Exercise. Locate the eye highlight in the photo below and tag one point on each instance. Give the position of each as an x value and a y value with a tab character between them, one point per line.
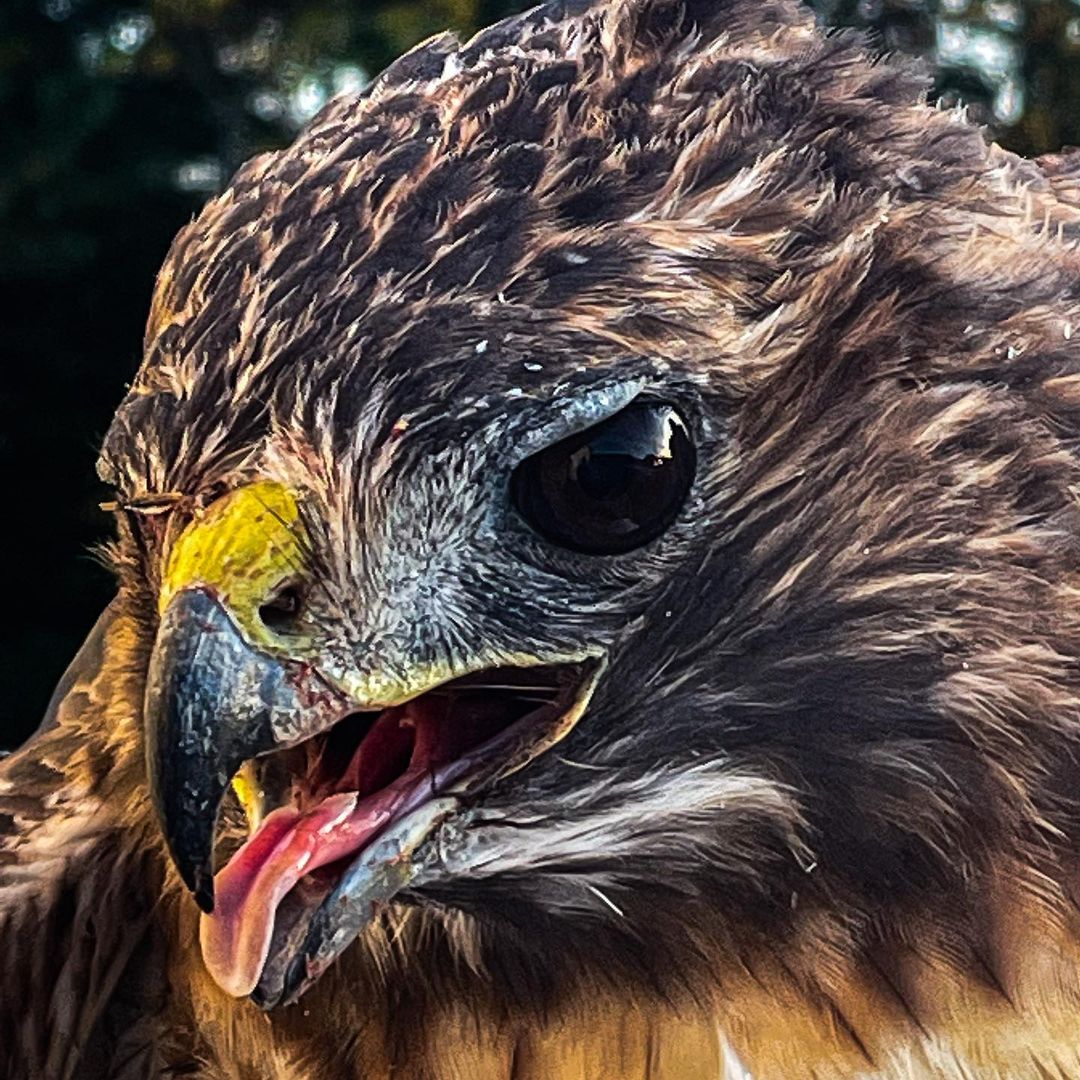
612	487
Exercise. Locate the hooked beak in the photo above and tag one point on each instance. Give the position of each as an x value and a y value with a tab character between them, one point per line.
213	702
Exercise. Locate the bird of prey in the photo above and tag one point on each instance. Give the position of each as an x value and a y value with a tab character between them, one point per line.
598	562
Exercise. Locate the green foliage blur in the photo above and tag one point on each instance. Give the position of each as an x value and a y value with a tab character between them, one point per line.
120	119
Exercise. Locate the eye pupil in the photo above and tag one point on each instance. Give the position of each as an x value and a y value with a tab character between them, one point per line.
610	488
603	476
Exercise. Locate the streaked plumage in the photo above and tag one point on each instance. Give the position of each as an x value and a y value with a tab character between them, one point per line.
820	816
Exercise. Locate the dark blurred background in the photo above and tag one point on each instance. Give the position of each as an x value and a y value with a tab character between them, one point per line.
117	120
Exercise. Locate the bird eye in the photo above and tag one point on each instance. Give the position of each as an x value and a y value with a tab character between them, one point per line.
612	487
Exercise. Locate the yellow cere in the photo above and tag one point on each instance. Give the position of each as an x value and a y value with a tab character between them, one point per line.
242	547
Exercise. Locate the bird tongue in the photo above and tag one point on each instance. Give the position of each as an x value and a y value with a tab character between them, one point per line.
289	844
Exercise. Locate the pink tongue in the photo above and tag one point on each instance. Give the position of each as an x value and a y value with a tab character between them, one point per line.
289	844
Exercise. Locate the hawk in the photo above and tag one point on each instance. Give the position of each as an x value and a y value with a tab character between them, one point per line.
598	591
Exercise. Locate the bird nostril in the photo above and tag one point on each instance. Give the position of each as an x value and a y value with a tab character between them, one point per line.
281	611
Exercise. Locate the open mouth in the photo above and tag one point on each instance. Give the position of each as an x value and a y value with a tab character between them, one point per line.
334	821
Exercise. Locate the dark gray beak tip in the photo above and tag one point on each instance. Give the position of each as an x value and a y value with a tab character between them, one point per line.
202	889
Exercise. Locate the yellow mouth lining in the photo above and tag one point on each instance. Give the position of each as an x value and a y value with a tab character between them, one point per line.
247	787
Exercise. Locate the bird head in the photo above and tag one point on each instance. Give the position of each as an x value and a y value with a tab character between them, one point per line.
588	491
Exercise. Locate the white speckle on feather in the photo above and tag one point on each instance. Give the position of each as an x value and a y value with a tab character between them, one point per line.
606	899
533	367
582	765
481	347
